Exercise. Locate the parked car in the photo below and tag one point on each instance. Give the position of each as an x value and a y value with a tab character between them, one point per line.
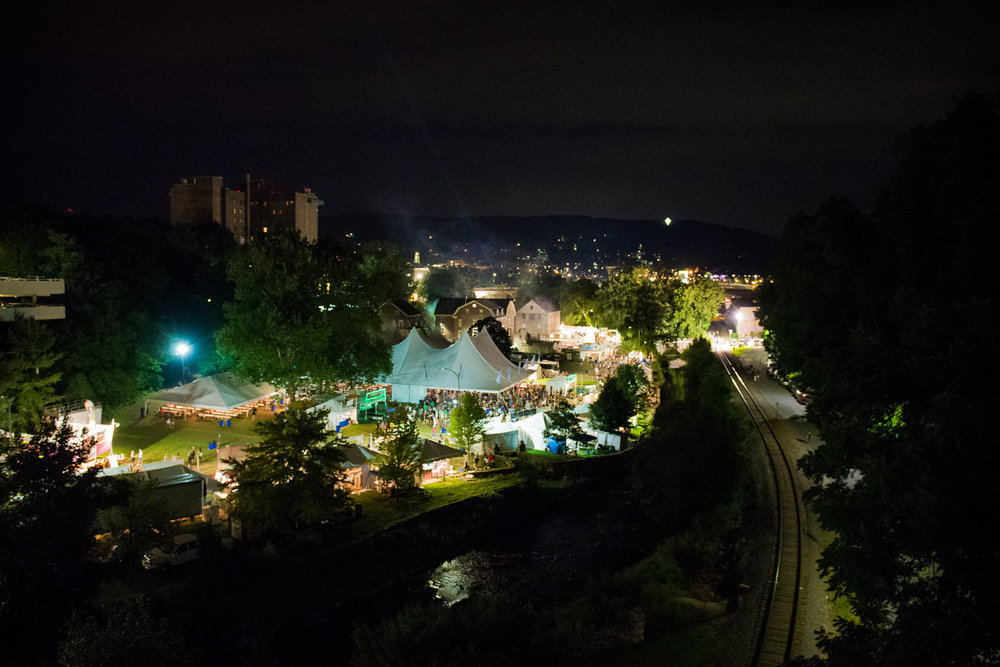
803	398
182	549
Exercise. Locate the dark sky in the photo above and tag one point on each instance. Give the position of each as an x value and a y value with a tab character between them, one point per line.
737	113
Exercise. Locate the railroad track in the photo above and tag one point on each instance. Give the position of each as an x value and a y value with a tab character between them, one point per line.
777	621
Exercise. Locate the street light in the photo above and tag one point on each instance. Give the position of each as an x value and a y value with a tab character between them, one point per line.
181	349
457	374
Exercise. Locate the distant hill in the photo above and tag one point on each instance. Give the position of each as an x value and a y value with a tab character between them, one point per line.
493	240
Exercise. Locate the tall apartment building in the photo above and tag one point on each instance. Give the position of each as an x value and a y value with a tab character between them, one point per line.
271	210
245	213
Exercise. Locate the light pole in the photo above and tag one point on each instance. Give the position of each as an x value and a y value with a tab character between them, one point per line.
458	376
181	349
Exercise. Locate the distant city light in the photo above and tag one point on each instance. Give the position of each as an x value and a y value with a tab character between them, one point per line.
667	221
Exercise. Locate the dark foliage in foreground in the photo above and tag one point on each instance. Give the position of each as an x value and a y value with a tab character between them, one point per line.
880	316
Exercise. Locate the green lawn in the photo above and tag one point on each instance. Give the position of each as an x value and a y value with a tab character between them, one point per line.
157	441
380	511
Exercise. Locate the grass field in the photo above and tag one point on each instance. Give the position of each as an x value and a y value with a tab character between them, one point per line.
380	511
159	442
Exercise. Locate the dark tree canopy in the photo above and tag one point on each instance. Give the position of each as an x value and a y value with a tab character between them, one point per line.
638	307
878	315
497	331
563	424
47	511
614	407
401	450
132	286
302	311
293	477
27	375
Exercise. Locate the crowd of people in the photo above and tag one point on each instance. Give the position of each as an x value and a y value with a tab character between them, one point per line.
436	406
607	367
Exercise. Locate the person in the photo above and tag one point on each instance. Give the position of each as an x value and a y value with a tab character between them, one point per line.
191	456
140	457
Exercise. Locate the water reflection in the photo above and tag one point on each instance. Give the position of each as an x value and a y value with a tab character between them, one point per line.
452	580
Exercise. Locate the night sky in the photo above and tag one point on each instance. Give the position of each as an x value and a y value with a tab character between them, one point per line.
736	113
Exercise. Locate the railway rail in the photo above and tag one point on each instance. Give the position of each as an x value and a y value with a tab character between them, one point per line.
776	624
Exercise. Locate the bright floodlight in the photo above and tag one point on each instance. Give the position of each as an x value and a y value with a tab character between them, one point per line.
181	349
739	316
667	221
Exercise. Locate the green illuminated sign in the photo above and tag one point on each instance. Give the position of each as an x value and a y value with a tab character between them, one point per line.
371	398
571	378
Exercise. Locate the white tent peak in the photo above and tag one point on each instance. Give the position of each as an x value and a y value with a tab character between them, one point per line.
469	364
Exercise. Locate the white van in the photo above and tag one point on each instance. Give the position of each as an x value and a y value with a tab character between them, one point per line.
182	549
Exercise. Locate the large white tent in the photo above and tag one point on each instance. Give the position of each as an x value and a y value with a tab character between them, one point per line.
470	364
223	392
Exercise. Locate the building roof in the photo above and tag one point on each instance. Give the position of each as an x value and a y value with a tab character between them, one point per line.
356	455
164	473
436	451
543	304
449	305
406	308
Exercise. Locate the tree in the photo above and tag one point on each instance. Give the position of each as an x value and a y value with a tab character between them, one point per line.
821	271
448	283
497	331
27	373
401	450
693	305
577	302
613	408
901	392
638	306
301	311
293	477
47	510
563	424
696	457
468	424
384	271
135	525
125	628
635	384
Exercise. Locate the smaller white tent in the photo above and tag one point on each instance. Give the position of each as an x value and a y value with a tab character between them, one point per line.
340	409
508	435
559	383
